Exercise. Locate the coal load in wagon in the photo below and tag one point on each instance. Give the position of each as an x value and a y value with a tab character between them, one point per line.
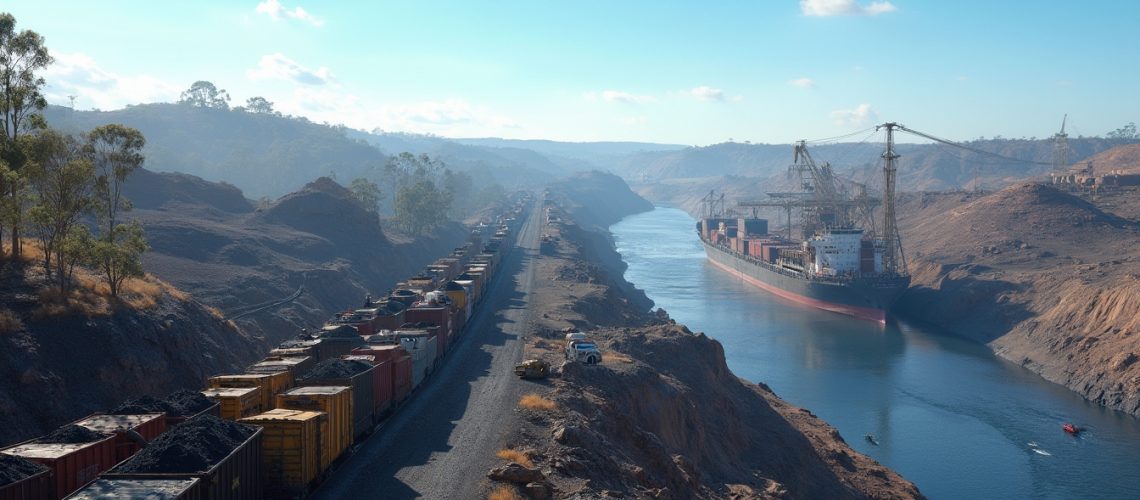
72	434
183	403
195	446
14	469
336	369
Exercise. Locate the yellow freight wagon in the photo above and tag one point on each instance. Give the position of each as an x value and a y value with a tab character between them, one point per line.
290	445
236	402
336	401
271	384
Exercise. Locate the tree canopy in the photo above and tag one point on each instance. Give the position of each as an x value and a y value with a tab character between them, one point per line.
204	94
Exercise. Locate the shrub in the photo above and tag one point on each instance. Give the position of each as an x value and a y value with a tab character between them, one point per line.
533	401
10	322
503	493
515	456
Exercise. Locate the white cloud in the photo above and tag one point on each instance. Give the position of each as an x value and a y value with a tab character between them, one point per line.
803	83
280	67
861	115
77	74
844	8
618	96
636	120
275	10
707	93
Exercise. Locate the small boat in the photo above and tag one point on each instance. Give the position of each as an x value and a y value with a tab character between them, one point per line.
1071	429
871	439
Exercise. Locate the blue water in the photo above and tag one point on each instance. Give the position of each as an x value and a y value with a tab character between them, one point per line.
948	414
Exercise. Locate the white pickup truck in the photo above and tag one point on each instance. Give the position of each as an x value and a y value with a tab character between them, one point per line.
580	349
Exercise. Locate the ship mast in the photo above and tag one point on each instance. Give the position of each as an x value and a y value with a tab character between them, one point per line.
893	259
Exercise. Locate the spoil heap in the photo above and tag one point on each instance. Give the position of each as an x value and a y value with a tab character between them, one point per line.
71	434
194	446
182	403
336	368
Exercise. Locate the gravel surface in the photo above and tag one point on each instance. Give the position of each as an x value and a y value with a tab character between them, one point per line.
13	469
443	442
194	446
72	434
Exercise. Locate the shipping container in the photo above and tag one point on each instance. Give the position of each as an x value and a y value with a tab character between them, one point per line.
336	403
147	426
401	377
437	315
756	227
291	450
296	365
381	385
236	403
362	393
148	489
73	465
237	475
37	484
422	347
271	384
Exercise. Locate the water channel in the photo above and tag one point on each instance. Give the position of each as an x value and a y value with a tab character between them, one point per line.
948	415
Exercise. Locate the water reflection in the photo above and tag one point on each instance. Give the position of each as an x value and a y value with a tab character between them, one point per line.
947	414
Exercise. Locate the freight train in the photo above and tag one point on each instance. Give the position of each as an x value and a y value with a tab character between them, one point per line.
280	428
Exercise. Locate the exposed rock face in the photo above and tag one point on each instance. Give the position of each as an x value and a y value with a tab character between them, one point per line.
1049	280
662	416
597	199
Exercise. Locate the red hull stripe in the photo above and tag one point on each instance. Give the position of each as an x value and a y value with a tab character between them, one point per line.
859	312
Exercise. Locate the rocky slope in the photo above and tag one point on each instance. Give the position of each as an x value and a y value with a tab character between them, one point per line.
662	416
596	198
59	364
211	242
1046	278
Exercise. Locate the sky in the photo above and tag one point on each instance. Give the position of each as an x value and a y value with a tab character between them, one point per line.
695	73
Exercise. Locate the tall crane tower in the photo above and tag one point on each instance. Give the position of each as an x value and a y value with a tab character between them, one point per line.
893	259
1061	149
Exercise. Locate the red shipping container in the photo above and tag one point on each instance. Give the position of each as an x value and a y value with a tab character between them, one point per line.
384	357
149	426
401	377
73	465
381	384
440	316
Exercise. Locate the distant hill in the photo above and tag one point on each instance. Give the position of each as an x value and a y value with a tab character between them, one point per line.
1125	158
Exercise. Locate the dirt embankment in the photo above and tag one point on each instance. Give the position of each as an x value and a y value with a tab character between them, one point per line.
662	416
1048	279
59	364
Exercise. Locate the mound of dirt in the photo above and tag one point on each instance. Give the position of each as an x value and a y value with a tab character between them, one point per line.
72	434
14	469
1125	158
182	403
327	209
193	446
331	369
167	190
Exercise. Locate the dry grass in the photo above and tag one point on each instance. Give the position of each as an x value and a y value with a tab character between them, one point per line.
515	456
534	401
612	357
10	322
504	492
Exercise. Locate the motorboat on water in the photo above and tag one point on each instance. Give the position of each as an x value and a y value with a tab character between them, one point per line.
1071	429
871	439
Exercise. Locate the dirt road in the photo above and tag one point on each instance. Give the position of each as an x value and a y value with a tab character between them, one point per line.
442	443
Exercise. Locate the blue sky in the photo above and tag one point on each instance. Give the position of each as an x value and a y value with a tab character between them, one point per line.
664	71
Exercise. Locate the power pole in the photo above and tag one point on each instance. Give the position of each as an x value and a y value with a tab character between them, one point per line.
1061	149
72	99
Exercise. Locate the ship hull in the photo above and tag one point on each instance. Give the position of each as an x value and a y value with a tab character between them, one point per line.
868	299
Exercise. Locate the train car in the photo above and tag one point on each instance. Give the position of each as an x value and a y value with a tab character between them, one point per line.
355	374
336	403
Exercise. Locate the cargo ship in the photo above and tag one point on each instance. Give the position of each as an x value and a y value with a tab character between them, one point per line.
837	265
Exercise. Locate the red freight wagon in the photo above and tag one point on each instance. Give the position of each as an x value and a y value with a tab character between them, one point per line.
73	465
401	377
381	384
37	485
148	426
435	315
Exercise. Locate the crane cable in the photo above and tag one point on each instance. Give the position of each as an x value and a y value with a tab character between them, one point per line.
967	148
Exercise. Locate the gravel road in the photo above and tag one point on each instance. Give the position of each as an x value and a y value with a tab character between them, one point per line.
443	442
